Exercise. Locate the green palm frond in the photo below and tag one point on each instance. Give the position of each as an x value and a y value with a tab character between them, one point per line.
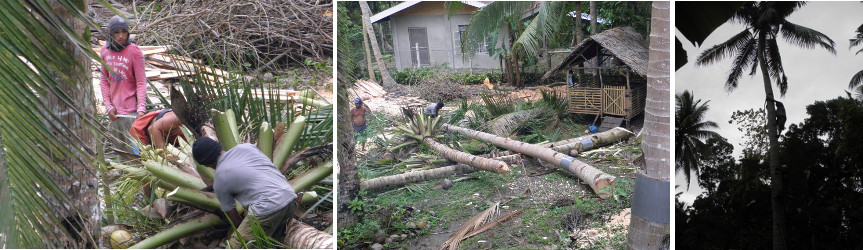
42	56
547	23
489	20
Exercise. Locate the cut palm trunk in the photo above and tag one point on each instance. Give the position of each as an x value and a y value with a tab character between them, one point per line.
302	236
594	178
595	140
424	175
481	163
598	140
413	177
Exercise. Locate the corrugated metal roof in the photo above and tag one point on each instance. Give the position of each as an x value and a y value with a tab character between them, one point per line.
402	6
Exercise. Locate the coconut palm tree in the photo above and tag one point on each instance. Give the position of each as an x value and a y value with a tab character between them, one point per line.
690	132
756	47
50	135
858	78
370	32
504	19
645	232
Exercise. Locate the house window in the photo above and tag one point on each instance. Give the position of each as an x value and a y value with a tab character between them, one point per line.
457	40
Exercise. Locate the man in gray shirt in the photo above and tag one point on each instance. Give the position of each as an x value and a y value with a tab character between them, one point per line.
433	109
246	175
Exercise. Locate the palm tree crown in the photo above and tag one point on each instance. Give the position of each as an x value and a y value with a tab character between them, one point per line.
765	22
690	133
857	40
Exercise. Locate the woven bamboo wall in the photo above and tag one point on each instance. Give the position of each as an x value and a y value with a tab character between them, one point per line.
585	100
610	100
637	100
614	101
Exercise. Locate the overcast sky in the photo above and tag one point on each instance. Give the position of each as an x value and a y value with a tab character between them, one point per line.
813	74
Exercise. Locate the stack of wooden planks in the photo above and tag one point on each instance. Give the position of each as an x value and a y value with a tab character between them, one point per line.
161	65
371	88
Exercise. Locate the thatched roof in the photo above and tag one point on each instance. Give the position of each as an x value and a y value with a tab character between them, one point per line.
623	42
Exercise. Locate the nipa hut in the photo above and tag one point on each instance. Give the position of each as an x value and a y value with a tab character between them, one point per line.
617	86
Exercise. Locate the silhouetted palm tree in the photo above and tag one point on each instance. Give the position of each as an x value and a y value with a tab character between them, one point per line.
754	47
691	130
858	78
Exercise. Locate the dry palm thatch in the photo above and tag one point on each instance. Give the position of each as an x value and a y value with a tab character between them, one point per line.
470	226
478	224
623	42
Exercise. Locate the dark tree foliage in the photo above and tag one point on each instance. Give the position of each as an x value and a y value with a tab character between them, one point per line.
822	161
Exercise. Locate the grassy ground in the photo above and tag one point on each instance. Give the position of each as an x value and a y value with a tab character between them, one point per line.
559	211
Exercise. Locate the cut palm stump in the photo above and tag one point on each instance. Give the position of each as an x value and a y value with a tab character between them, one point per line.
595	178
186	186
421	128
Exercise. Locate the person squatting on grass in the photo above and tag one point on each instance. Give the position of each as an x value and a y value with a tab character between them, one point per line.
124	85
433	109
246	175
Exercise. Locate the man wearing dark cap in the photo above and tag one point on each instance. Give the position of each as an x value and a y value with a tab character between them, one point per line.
358	115
246	175
123	81
433	109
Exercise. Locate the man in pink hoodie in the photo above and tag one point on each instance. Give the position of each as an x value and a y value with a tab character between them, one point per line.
123	81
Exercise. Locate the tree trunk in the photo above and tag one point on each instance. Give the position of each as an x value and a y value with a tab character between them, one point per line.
424	175
778	204
595	178
649	224
414	177
596	140
81	218
481	163
349	184
367	25
368	56
299	236
579	34
593	31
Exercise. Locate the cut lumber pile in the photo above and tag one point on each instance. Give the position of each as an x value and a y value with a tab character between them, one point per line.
161	66
371	88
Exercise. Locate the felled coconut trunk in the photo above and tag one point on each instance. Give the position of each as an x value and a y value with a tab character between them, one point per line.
594	178
424	175
481	163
